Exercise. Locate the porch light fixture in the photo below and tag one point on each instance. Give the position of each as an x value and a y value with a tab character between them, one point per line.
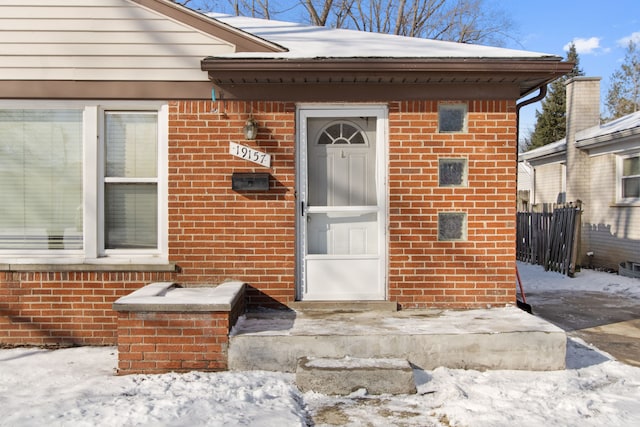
250	129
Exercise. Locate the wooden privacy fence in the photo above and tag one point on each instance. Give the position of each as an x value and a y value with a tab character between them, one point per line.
550	239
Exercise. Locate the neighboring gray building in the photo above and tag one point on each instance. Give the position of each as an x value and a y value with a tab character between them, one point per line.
598	165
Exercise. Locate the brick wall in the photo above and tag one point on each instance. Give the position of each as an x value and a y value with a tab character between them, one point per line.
64	308
583	112
423	271
216	233
158	342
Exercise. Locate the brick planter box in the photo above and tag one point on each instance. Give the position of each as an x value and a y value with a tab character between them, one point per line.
165	328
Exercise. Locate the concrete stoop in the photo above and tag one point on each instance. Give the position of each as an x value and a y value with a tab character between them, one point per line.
343	306
346	375
498	338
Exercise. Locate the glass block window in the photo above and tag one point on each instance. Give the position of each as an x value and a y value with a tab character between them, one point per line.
452	118
452	172
452	226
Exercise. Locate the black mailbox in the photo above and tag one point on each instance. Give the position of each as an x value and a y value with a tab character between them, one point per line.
249	181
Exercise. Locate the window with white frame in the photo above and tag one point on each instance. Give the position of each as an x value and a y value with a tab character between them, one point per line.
131	180
69	196
41	179
630	177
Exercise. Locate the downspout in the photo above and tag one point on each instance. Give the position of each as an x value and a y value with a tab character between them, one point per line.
538	97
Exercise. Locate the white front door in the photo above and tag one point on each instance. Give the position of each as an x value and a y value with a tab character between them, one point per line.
342	216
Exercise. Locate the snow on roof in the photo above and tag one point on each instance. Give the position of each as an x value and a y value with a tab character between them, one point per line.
545	150
624	126
305	42
605	133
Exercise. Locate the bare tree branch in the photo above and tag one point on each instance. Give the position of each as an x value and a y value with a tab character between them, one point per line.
465	21
318	19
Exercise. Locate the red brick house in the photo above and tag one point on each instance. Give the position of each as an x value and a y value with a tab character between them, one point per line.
383	169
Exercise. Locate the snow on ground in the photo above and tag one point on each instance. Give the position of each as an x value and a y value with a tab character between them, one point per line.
77	387
535	279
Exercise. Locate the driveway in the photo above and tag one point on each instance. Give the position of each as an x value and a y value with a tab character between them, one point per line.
611	322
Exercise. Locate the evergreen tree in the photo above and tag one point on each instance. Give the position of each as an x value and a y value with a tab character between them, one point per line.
551	122
623	96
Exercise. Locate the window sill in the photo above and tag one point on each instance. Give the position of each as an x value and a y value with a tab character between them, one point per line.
623	204
88	267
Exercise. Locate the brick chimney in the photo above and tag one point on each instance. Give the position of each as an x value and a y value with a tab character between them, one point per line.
583	112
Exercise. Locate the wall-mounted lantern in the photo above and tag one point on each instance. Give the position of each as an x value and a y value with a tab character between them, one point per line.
250	129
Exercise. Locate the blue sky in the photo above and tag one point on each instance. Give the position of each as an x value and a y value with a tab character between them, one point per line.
600	30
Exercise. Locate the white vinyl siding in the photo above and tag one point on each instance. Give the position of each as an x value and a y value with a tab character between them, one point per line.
99	40
612	228
549	183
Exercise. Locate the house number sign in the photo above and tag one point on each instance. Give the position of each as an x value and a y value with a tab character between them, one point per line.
250	154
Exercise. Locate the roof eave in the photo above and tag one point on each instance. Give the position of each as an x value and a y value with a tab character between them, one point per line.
545	153
528	73
608	139
549	158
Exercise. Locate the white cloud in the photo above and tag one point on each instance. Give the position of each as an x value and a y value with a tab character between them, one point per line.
585	46
624	42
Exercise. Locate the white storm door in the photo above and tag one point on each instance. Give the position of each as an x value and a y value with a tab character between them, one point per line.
342	205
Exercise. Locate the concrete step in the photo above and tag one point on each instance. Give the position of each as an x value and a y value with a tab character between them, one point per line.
344	376
500	338
344	306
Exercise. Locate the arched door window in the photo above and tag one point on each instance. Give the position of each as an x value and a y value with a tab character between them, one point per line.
342	133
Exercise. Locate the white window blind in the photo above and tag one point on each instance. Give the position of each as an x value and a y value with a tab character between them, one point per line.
41	179
131	180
